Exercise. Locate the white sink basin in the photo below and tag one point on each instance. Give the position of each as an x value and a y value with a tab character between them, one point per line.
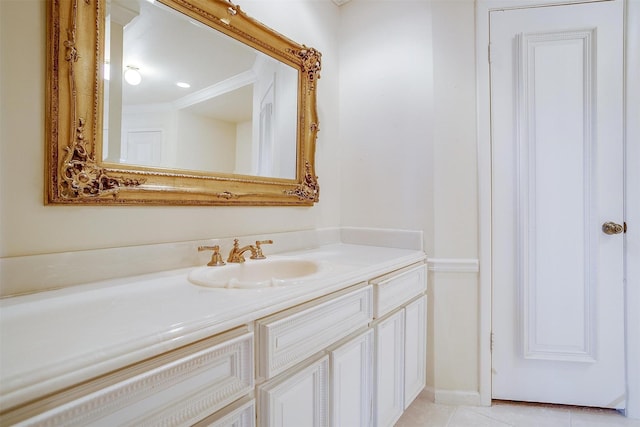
256	273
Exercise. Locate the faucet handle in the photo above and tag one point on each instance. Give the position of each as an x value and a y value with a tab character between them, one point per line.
216	258
258	253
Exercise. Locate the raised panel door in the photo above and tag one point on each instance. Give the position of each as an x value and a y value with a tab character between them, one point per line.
415	349
352	382
389	370
557	147
298	399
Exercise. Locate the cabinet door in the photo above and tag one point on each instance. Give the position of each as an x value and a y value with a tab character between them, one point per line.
296	400
415	350
352	382
389	361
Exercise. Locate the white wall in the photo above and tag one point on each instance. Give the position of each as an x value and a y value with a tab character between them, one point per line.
407	131
27	226
386	115
456	317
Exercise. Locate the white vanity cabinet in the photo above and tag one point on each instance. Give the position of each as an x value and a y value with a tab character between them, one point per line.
355	358
300	352
342	351
178	388
400	342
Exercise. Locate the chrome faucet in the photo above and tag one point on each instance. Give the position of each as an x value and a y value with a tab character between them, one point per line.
237	253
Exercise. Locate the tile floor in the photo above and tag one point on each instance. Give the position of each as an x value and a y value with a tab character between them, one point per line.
424	413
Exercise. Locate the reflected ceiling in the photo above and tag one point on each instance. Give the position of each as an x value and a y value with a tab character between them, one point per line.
154	43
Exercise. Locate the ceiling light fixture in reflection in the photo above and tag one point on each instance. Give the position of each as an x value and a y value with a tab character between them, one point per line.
183	85
132	75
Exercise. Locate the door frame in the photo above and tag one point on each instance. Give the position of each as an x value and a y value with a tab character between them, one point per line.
631	199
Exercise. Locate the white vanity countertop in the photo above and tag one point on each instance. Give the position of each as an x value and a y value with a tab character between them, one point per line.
51	340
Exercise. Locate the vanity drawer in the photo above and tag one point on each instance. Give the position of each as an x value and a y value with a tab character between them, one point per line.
177	388
289	337
392	290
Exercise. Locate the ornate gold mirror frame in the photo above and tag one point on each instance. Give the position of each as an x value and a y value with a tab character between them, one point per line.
74	175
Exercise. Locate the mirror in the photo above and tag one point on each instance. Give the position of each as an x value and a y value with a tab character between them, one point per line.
210	107
177	102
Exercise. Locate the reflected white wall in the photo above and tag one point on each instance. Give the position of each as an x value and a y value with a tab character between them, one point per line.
205	143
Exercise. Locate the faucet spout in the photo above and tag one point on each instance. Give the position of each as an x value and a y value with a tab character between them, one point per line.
237	253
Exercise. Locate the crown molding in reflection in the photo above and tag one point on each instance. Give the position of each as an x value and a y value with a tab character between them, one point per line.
225	86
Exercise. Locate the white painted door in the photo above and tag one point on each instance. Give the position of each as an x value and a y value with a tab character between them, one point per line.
557	156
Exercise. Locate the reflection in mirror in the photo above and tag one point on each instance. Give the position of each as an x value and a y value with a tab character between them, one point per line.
192	98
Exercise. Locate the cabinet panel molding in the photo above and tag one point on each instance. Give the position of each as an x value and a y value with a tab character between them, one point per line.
240	414
352	382
415	349
299	399
288	338
180	392
389	360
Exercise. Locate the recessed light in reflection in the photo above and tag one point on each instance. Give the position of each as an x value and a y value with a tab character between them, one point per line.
183	85
132	76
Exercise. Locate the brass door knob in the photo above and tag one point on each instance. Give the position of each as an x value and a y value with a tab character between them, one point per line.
612	228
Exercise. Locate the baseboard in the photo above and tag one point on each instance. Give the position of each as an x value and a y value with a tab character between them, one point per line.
430	393
457	397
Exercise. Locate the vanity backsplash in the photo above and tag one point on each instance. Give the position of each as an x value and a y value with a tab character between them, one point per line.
36	273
